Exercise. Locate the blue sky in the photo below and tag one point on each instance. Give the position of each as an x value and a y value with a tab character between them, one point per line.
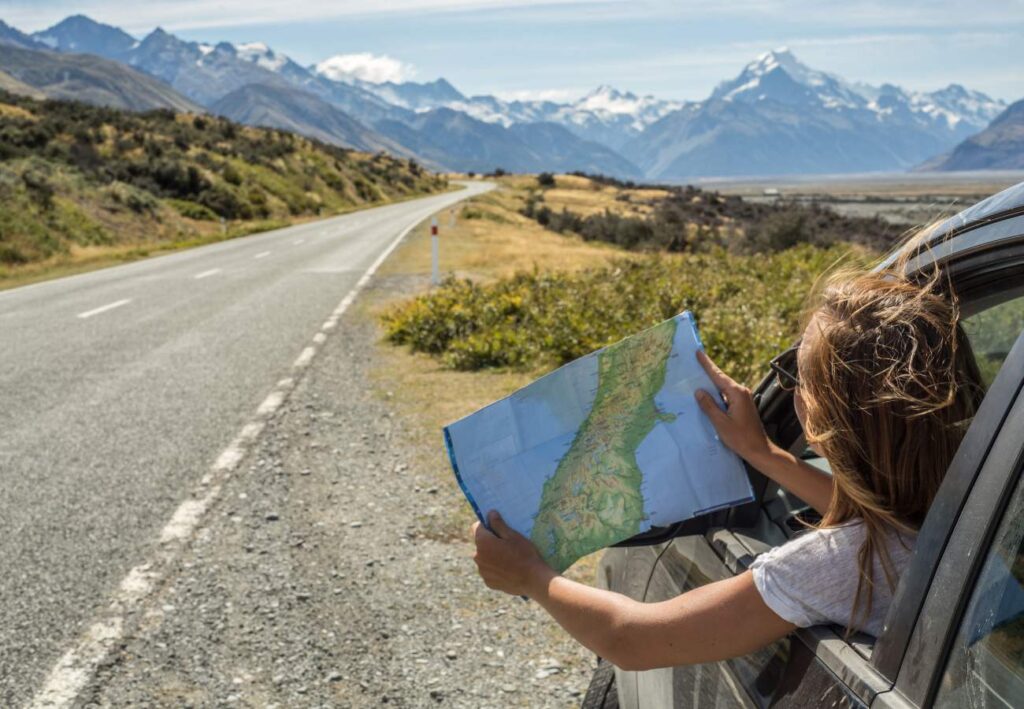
670	48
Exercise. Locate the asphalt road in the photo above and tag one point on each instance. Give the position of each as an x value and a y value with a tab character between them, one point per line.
119	388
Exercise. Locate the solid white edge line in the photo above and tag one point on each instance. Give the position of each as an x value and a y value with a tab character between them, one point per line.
78	665
104	308
204	274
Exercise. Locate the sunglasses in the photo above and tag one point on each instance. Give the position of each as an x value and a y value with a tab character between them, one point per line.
784	367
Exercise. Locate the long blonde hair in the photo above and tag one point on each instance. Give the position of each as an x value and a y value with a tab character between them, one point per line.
889	385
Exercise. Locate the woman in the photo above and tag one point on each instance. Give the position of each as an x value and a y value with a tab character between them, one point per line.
885	387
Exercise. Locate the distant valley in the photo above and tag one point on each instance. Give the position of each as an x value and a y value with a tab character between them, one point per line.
777	116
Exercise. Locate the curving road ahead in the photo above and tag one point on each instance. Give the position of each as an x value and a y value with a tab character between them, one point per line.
118	389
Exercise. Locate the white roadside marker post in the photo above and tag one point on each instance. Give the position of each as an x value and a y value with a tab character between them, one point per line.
435	271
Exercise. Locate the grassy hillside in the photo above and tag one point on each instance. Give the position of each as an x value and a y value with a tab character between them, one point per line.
79	182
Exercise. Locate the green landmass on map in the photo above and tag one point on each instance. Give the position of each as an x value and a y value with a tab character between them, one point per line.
593	499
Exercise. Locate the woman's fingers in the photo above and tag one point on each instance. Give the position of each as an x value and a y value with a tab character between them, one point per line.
707	404
721	379
499	526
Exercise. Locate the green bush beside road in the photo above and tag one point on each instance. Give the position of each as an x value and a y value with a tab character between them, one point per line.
748	308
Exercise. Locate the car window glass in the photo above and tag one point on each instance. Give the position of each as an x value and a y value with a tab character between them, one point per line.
986	667
992	333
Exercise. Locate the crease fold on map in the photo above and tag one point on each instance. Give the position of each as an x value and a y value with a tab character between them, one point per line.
601	449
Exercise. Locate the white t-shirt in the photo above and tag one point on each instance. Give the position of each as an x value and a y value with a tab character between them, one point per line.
812	579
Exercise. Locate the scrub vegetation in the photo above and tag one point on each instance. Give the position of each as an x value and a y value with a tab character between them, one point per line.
747	288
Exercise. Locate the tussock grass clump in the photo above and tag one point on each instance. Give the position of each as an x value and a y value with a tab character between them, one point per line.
748	307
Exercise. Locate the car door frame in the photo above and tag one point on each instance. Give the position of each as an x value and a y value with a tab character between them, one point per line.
959	557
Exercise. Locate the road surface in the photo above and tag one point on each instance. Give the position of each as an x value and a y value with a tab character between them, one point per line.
120	387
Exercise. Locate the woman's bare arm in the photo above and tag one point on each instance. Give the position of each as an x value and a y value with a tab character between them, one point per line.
740	428
714	622
810	484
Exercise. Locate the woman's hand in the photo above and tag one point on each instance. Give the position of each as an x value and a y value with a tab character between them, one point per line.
739	426
506	560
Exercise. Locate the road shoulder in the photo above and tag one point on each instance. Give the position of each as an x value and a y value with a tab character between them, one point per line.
316	578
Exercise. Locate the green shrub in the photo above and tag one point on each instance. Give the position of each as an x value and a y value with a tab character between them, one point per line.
11	255
192	210
133	198
231	175
748	307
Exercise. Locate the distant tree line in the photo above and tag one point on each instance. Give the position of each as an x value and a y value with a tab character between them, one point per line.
692	219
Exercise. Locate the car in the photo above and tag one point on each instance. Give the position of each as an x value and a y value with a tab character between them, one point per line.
954	634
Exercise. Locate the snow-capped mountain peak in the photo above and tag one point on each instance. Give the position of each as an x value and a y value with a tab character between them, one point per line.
610	99
606	104
778	75
783	58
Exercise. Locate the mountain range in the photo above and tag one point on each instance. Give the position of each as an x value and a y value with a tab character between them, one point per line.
777	116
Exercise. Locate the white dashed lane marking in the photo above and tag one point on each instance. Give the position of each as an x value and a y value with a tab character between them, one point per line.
261	254
104	308
204	274
299	241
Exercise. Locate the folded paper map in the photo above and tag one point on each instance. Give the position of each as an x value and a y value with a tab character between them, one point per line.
601	449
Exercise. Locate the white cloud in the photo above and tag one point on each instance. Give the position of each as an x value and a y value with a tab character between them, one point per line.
375	68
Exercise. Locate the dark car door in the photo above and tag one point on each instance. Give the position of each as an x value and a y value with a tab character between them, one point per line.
817	666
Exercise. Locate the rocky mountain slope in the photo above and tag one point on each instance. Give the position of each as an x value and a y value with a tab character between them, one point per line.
999	147
88	78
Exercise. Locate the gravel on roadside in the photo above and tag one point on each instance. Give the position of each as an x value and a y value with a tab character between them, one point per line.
314	582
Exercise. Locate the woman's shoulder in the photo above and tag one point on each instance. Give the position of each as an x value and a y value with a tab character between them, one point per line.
813	578
832	539
818	544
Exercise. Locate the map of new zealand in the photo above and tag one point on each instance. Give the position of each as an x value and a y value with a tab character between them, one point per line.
601	449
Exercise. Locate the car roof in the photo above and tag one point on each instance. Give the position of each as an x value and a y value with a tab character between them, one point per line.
994	220
998	205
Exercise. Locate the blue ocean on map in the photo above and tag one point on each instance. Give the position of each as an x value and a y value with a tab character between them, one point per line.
674	485
529	432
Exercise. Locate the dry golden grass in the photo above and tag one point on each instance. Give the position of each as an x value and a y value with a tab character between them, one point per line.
10	111
82	259
584	196
491	239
